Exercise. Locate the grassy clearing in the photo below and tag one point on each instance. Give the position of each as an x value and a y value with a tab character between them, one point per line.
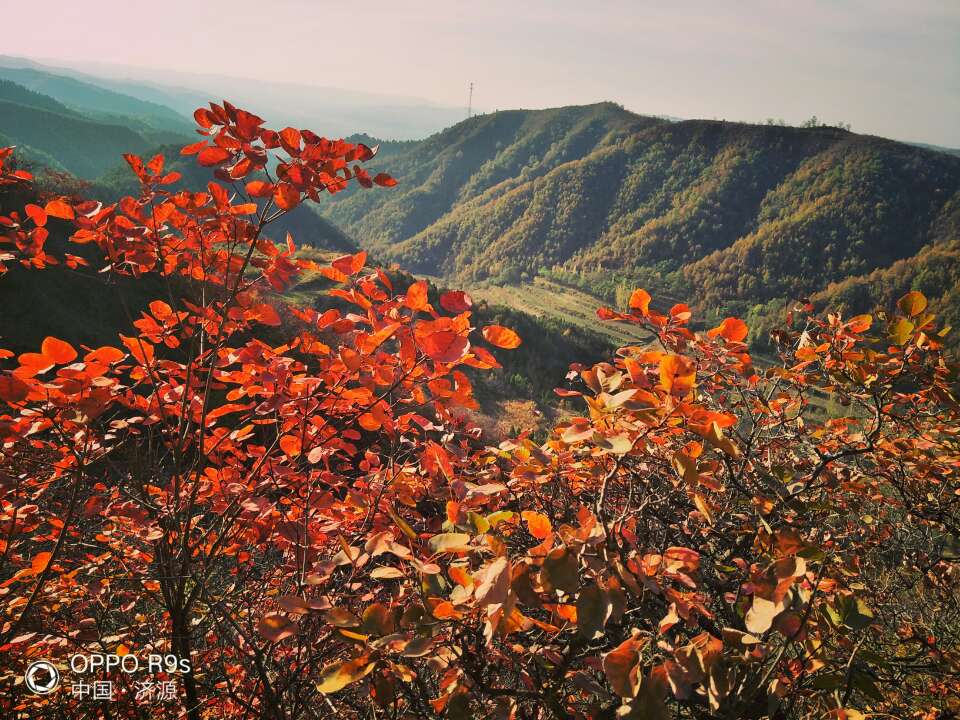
547	299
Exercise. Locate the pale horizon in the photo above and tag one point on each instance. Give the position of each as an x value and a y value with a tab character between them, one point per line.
882	67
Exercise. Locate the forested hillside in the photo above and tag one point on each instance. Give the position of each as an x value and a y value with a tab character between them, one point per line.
67	125
83	147
740	217
99	102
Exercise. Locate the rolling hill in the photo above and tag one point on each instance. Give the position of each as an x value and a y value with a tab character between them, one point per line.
739	218
81	146
100	103
84	132
330	111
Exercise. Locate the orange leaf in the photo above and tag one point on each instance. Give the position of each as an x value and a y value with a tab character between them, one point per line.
501	337
456	301
913	303
40	562
640	301
59	209
384	180
445	611
37	214
444	345
622	667
677	374
276	627
141	350
259	189
731	329
244	209
417	296
59	351
286	196
537	524
290	444
350	264
105	355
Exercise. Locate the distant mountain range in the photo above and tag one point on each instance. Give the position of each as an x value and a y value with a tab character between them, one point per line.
70	125
333	112
739	218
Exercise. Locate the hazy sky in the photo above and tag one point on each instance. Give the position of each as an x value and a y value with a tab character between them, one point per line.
890	67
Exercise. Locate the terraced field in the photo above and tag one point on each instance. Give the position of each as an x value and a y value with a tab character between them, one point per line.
543	298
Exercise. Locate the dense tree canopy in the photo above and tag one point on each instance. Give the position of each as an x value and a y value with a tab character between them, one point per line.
731	217
293	501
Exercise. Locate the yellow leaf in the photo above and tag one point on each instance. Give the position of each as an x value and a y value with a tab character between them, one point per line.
449	542
900	331
912	304
338	675
761	614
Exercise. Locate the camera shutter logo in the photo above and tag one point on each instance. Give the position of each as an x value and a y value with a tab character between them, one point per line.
42	677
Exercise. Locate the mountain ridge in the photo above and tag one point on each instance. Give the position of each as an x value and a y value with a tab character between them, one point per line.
733	214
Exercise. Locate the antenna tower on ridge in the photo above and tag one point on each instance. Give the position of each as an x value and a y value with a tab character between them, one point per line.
470	103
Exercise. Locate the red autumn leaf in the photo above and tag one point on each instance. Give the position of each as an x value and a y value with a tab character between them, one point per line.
259	188
204	117
333	274
213	155
141	350
240	169
290	444
276	627
444	345
351	264
501	336
59	209
456	301
248	125
290	140
37	214
155	165
13	389
265	314
680	313
384	180
286	196
193	148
